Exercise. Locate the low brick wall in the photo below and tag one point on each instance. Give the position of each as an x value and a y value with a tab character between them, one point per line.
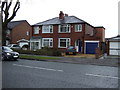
99	53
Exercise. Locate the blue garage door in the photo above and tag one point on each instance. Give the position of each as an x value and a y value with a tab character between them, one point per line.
90	47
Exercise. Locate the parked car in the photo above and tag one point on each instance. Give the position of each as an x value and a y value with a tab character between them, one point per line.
9	54
71	50
14	46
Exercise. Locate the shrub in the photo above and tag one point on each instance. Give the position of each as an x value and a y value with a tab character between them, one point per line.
24	51
49	51
44	51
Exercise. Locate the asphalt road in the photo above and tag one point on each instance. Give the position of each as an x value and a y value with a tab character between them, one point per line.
41	74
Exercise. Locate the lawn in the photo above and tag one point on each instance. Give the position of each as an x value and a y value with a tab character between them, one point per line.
37	57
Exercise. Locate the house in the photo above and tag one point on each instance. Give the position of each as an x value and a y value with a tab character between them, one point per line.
113	45
19	32
63	31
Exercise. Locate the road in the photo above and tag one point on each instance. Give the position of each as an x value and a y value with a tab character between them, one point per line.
41	74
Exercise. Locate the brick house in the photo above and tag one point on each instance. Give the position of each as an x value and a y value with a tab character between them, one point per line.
63	31
19	32
113	45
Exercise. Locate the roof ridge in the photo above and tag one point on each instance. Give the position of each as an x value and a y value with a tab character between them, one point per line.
56	20
46	20
19	21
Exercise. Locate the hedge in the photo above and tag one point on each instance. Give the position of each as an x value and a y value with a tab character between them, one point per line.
44	51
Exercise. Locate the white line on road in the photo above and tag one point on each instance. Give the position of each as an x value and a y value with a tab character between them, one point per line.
38	67
95	75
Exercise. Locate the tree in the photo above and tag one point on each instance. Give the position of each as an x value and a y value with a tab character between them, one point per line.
6	18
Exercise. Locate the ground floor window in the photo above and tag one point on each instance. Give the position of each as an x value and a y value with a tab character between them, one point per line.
64	42
47	42
34	45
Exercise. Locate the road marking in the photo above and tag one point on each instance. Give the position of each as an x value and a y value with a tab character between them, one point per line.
38	67
98	75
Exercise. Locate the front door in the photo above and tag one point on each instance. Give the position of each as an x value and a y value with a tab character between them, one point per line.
78	45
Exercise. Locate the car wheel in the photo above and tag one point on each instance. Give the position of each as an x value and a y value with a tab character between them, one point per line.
15	59
66	53
3	57
74	53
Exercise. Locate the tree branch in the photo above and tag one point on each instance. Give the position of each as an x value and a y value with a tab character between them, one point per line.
17	6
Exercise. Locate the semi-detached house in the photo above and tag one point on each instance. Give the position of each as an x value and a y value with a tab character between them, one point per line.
63	31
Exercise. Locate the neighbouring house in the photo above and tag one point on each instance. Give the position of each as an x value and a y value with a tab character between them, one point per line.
113	45
19	32
63	31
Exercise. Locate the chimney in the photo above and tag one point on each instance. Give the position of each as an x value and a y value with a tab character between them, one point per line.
66	14
61	15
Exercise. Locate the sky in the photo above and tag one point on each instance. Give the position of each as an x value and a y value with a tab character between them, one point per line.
95	12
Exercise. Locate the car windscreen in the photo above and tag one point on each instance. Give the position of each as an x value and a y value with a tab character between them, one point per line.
16	46
9	45
71	47
7	49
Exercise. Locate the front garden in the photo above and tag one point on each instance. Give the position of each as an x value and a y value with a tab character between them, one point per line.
44	51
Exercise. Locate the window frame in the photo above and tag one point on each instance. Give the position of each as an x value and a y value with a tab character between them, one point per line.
68	25
47	26
49	42
66	42
80	29
36	29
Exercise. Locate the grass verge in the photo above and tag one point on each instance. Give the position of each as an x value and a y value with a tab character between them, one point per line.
37	57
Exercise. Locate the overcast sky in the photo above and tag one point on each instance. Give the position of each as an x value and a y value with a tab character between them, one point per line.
95	12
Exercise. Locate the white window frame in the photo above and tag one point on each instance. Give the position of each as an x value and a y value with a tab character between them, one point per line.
78	26
49	27
27	33
66	42
49	41
35	41
36	29
8	32
68	25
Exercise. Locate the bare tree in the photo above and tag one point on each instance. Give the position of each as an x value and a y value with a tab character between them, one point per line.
6	18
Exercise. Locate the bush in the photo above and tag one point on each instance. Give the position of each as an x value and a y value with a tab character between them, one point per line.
24	51
49	51
44	51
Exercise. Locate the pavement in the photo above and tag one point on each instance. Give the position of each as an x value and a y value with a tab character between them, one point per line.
113	62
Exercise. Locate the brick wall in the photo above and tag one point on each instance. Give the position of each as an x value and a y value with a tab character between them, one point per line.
100	32
20	32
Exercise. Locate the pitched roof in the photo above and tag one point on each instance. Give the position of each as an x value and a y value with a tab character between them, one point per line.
13	24
116	38
56	20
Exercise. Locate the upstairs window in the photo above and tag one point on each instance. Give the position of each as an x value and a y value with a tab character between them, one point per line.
64	28
36	30
47	29
78	28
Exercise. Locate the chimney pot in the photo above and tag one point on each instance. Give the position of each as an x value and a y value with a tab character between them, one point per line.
66	14
61	15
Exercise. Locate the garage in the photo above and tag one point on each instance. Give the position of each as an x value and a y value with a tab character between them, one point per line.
114	44
90	46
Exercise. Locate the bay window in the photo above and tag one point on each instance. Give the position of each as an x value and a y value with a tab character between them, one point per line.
36	30
63	42
64	28
78	28
47	29
47	42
